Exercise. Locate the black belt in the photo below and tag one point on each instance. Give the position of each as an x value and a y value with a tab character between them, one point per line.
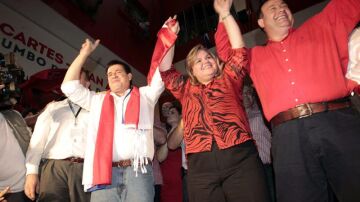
74	159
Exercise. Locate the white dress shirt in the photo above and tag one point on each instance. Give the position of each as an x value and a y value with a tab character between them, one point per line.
57	134
12	160
353	71
128	142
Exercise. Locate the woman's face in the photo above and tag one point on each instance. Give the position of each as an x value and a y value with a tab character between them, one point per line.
165	109
204	67
173	116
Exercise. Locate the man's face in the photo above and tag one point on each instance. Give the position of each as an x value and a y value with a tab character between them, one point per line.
248	98
276	15
119	80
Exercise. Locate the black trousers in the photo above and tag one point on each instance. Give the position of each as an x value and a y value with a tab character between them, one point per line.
184	185
235	174
317	157
17	197
61	181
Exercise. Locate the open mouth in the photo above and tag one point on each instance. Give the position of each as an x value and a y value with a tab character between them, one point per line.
282	17
207	66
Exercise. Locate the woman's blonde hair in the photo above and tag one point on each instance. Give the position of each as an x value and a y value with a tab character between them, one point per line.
190	61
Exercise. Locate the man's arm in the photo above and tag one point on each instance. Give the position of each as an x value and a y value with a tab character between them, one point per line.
161	59
173	27
34	153
71	86
73	73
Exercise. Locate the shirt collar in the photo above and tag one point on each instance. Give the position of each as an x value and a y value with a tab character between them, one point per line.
291	30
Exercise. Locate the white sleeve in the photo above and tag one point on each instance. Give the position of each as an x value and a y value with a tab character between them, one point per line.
77	93
353	71
38	141
155	88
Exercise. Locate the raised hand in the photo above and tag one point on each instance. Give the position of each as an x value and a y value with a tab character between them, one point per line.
222	7
172	24
88	47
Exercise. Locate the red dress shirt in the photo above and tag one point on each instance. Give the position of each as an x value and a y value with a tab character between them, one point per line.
212	111
308	66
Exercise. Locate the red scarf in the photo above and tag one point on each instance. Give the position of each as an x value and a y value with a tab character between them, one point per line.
102	167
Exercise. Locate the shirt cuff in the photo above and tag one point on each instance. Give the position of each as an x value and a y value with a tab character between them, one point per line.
168	72
31	169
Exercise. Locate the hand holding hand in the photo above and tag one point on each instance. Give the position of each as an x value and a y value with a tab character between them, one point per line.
172	24
31	186
222	7
88	47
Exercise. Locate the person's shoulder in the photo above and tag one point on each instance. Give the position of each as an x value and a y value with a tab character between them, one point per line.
54	104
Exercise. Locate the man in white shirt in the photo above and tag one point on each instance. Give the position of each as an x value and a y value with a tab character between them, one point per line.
12	156
59	139
120	132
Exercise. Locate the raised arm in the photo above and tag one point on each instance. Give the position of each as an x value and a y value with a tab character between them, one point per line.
35	151
172	28
162	58
222	8
73	73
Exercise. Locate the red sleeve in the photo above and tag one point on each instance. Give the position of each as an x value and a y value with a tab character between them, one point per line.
165	41
223	46
237	63
339	16
174	82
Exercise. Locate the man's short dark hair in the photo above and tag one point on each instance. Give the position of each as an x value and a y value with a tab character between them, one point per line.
118	62
259	11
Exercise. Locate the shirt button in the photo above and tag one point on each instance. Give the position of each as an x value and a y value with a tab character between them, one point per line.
296	100
286	60
75	140
282	42
284	50
289	70
293	83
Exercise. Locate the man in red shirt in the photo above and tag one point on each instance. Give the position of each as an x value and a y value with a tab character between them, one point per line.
299	76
